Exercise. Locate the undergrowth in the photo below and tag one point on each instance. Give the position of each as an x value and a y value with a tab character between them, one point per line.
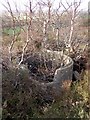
22	99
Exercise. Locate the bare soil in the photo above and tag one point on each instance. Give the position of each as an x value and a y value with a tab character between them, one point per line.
41	69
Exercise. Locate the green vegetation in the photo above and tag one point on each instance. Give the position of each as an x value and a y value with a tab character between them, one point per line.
23	98
10	31
74	104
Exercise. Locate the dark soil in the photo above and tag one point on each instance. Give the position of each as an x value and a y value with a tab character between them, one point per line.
41	69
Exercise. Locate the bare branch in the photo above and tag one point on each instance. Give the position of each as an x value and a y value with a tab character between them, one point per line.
74	11
66	9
